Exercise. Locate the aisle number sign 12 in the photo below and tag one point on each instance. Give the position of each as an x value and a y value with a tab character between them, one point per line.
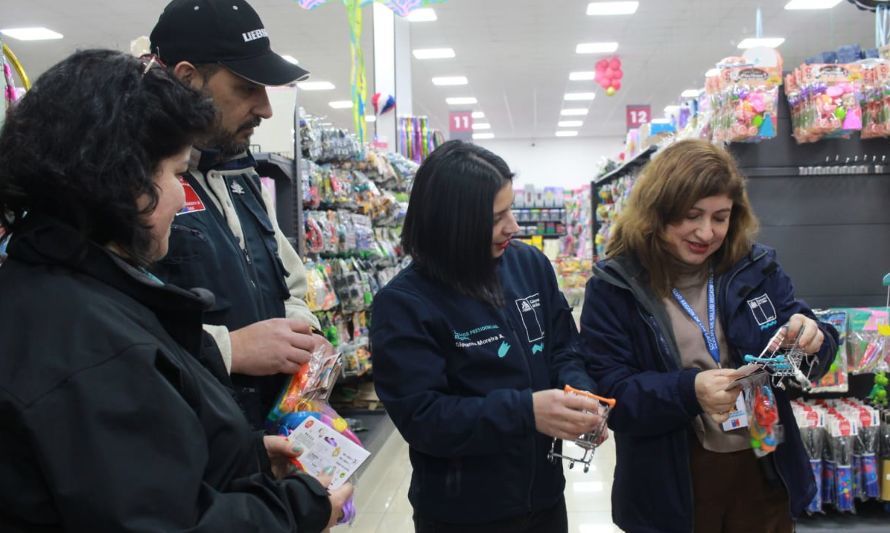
637	115
461	125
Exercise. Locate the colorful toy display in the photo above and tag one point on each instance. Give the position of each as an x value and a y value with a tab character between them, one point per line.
875	99
825	101
743	101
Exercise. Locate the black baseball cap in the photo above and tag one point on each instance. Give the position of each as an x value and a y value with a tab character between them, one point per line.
228	32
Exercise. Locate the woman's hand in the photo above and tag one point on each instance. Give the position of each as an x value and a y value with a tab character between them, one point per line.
811	336
338	498
564	416
711	390
280	452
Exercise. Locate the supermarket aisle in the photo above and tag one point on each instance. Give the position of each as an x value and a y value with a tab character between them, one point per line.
382	492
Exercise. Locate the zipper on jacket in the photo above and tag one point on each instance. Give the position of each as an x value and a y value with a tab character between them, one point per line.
531	485
659	339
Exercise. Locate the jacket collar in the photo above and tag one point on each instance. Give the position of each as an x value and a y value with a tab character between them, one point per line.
43	240
209	159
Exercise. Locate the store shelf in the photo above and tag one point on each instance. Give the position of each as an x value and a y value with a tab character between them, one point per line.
640	159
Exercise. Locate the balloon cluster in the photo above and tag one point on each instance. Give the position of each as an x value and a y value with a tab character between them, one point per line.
609	74
382	103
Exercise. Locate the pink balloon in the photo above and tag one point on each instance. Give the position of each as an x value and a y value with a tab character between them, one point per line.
616	85
609	74
602	64
615	63
618	75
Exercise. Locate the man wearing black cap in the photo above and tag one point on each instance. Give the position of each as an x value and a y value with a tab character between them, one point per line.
226	239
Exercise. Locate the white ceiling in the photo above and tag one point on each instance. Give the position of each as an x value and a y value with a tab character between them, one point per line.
517	54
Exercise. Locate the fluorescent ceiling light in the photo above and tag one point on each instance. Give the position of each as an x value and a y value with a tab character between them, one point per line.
483	136
316	85
596	48
450	80
31	34
478	114
579	97
765	42
566	133
691	93
812	4
574	112
370	118
462	100
712	72
585	75
612	8
570	123
433	53
341	104
426	14
290	59
481	126
671	109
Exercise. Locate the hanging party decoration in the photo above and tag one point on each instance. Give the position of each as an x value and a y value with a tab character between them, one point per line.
359	82
383	103
609	74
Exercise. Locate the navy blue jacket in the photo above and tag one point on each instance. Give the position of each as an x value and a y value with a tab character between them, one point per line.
634	359
457	376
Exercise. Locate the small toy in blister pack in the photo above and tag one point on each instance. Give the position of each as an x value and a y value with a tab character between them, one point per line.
825	103
836	379
588	442
842	434
811	422
876	99
763	416
868	346
303	400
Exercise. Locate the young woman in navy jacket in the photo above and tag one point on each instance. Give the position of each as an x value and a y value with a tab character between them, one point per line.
470	343
683	294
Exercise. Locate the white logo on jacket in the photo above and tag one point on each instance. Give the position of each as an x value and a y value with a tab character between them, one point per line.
528	311
763	310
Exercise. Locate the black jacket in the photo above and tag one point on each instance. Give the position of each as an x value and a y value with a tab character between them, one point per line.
107	420
457	376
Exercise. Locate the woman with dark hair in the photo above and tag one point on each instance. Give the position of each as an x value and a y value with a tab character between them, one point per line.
682	256
108	420
469	342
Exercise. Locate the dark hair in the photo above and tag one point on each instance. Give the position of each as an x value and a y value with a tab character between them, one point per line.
86	141
450	218
668	187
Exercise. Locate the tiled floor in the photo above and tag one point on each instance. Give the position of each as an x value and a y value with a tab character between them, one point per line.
381	495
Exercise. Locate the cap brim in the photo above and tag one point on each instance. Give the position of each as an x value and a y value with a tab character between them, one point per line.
270	69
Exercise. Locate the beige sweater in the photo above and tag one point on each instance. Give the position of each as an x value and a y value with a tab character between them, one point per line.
694	354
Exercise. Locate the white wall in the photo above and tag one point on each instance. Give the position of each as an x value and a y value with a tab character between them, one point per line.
557	162
274	134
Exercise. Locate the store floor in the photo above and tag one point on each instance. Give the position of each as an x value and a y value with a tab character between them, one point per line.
382	492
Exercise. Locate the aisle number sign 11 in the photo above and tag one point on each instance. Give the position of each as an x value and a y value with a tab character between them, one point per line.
460	125
637	115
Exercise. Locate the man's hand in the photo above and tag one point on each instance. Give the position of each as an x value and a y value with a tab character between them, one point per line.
563	416
274	346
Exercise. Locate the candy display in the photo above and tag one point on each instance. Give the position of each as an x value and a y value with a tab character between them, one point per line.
578	242
612	198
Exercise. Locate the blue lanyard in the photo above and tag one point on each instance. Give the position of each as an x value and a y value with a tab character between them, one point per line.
709	335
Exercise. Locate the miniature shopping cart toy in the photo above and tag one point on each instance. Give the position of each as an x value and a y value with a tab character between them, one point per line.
588	442
782	360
